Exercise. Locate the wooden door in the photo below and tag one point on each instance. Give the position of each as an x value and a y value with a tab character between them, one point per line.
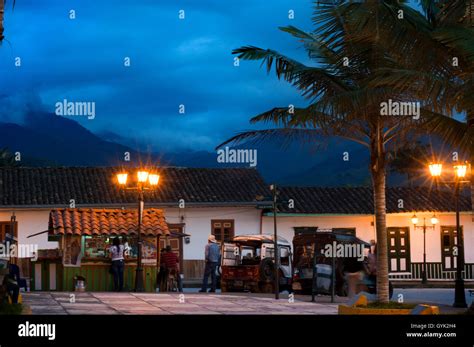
399	249
176	243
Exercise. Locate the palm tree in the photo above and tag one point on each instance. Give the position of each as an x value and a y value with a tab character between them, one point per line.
458	22
6	158
347	49
452	28
2	12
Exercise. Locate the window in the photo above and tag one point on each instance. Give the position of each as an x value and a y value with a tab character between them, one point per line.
176	243
449	241
285	256
305	230
345	231
399	249
97	246
6	230
223	230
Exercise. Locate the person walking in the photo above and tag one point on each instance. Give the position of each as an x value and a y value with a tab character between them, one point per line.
118	262
354	271
212	253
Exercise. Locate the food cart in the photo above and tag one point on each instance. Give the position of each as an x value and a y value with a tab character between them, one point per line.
84	237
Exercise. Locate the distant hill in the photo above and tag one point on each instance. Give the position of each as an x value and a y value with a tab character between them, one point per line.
49	140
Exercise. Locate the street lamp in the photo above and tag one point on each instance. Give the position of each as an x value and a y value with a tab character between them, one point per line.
145	181
460	171
434	221
276	251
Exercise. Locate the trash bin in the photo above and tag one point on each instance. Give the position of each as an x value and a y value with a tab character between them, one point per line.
79	284
324	277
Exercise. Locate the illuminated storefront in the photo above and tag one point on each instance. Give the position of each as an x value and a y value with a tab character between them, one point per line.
85	236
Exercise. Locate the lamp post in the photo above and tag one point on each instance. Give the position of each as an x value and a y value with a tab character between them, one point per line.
434	221
460	171
145	181
276	251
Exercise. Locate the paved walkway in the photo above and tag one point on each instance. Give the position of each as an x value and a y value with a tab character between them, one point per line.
165	304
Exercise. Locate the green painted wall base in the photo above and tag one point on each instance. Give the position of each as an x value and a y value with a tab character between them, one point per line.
98	277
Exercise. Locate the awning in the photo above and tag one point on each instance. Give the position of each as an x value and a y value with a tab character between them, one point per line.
177	234
72	221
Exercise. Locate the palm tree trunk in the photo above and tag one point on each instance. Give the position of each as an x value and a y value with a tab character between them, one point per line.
381	230
378	172
2	11
470	13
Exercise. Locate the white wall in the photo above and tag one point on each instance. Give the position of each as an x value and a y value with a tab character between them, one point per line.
285	225
198	224
247	221
366	231
31	222
433	235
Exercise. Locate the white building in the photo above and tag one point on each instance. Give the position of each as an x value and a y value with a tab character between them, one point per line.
351	209
225	202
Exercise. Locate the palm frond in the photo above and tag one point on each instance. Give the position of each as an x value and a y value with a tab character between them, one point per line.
311	81
284	137
457	38
449	130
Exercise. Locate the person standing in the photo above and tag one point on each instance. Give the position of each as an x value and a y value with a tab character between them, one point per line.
212	254
118	263
161	273
11	282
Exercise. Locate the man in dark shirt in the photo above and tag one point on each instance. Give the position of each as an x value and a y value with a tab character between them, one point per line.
170	262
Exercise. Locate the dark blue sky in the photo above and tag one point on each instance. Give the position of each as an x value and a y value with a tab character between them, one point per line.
173	62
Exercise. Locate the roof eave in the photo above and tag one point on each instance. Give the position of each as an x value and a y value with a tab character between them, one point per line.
127	205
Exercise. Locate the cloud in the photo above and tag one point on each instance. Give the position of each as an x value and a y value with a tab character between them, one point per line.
173	62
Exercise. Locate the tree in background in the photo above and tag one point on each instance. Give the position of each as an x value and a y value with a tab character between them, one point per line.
7	159
2	12
410	160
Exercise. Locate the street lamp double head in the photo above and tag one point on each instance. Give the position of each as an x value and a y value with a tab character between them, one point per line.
460	170
145	181
460	176
144	178
434	221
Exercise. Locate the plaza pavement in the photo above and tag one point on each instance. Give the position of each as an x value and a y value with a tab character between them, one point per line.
105	303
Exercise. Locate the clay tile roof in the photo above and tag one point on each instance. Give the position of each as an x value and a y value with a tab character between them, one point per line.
82	221
90	186
359	200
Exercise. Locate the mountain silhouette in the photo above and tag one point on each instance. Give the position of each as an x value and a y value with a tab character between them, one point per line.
45	139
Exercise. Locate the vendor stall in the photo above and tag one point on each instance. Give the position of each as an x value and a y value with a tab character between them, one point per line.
84	237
